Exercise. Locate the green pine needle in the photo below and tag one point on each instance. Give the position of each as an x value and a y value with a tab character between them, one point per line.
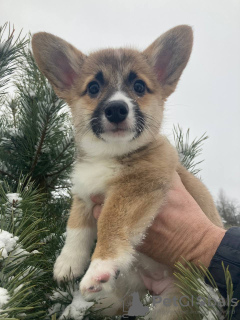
188	151
191	282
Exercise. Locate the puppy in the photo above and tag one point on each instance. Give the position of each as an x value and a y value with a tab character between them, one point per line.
117	99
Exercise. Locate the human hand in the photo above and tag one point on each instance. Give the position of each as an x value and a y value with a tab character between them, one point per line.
181	230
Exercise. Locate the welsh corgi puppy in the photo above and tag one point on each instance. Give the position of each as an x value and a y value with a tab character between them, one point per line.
117	99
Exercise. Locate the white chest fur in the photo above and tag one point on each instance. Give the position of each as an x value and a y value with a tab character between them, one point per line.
91	176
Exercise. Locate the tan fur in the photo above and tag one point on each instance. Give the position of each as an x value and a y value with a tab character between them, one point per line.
140	177
135	197
201	194
79	215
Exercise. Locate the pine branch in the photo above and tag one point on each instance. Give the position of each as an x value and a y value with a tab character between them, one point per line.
10	52
32	148
21	269
59	171
7	174
39	147
188	151
191	281
70	144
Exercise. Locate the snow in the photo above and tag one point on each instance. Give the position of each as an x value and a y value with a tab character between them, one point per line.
35	252
64	192
213	294
4	297
29	270
77	308
13	197
18	288
57	307
58	294
31	93
8	242
49	237
12	131
3	69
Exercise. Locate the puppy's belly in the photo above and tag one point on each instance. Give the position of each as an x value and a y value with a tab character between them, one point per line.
91	177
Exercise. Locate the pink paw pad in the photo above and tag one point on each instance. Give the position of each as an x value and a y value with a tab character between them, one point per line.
104	277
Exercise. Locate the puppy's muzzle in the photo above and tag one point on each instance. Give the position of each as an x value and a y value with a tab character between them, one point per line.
116	111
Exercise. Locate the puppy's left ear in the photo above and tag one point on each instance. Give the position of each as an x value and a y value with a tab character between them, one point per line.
169	54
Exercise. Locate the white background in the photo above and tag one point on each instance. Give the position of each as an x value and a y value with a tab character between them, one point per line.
207	98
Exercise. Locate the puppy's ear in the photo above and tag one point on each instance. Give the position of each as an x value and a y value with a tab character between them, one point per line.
58	60
169	54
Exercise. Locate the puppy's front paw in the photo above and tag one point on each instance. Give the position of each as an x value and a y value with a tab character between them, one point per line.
99	279
69	265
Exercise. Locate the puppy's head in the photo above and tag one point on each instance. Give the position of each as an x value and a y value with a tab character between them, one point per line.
116	95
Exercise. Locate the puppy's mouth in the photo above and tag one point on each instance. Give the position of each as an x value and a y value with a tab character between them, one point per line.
117	129
117	132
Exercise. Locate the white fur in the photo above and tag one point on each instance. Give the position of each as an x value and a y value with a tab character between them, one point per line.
95	147
120	95
97	268
90	177
122	138
75	254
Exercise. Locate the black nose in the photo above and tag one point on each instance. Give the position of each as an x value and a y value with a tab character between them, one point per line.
116	111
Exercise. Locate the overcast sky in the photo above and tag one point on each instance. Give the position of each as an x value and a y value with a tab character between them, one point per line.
207	98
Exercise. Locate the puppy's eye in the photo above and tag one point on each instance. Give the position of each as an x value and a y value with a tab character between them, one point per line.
93	88
139	87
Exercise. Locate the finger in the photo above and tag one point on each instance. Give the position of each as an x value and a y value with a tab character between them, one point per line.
97	198
96	211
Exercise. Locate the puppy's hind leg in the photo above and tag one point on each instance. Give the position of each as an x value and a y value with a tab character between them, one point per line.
81	234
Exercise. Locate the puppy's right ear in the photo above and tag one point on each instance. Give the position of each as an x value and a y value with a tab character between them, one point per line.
58	60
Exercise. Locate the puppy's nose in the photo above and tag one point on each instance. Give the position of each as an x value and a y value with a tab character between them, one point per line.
116	111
